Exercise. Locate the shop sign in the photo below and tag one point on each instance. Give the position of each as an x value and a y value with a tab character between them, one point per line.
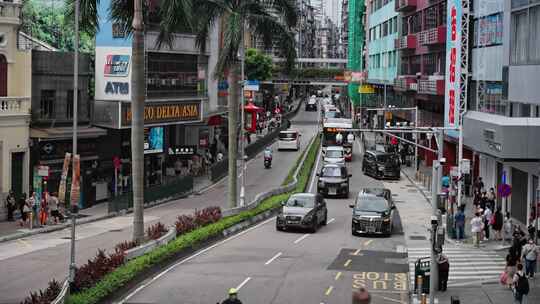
49	150
489	138
75	180
366	89
43	170
165	113
113	77
63	179
153	140
183	150
37	180
251	85
453	64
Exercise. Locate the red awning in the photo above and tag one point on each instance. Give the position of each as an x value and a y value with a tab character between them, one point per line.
215	120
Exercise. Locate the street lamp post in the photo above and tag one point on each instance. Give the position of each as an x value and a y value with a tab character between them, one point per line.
242	122
74	207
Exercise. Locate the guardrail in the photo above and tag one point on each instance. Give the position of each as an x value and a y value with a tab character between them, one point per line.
63	293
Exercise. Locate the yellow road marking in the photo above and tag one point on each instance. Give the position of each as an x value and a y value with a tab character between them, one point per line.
23	242
356	252
329	290
367	242
338	275
347	263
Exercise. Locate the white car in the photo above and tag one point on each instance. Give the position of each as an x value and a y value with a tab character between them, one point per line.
289	140
334	155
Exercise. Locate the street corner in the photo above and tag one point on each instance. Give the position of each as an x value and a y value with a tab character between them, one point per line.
384	287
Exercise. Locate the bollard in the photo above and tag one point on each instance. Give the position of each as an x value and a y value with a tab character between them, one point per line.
424	299
31	219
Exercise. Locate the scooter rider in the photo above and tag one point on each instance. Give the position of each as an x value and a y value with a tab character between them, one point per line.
268	153
233	297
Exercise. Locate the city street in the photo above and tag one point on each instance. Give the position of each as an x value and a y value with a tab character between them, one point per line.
270	266
28	264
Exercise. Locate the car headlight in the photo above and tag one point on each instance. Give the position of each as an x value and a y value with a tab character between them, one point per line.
386	220
381	168
344	184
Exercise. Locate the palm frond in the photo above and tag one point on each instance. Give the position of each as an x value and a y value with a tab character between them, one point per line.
206	13
176	16
232	37
88	15
286	8
121	12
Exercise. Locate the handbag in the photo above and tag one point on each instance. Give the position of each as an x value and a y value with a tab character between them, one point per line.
492	220
503	278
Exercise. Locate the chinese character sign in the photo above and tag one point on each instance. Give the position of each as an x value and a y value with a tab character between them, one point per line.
75	180
63	178
453	64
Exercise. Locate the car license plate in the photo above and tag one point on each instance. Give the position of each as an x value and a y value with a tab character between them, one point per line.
292	222
332	191
371	229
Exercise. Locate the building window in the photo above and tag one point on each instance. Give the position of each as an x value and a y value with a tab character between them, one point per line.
395	25
488	30
490	98
525	36
385	29
46	109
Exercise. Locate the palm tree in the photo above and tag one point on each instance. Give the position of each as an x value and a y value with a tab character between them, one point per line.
271	20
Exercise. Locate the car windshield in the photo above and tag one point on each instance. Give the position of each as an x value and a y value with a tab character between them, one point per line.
302	202
332	172
331	114
387	158
373	204
334	154
284	135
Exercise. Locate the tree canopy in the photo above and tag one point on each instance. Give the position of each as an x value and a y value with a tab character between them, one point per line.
258	65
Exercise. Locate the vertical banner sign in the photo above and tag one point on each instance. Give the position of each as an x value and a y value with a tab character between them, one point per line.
453	64
75	180
37	187
63	178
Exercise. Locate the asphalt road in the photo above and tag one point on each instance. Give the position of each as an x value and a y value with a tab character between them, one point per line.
28	264
289	267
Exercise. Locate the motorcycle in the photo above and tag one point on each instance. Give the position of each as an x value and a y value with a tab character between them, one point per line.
267	162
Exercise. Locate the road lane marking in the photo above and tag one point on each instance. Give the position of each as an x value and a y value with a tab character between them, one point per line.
23	242
298	240
329	290
243	283
159	275
347	263
338	275
273	258
315	171
330	220
356	252
366	243
390	299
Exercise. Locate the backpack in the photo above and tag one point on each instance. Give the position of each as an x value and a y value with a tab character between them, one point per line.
522	285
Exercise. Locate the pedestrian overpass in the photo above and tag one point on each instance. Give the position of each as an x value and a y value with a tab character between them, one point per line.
311	81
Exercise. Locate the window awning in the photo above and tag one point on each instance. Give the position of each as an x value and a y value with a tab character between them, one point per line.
66	133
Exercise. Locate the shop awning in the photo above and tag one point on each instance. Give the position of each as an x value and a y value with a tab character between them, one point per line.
66	132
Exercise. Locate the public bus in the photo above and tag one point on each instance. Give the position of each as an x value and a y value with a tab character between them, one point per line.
334	126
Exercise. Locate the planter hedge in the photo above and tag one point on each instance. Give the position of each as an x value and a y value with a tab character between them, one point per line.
127	272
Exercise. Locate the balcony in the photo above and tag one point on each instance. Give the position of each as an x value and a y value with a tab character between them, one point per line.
405	5
432	86
10	12
14	106
406	42
433	36
405	83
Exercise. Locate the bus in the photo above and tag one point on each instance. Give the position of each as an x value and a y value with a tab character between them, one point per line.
334	126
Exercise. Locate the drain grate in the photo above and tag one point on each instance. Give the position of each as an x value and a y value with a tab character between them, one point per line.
115	230
417	237
66	238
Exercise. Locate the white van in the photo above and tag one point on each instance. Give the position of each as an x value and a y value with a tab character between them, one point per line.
334	155
289	140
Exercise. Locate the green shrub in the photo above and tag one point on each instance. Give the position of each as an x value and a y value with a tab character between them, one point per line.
127	272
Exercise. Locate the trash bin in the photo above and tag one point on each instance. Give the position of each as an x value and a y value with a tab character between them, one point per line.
422	268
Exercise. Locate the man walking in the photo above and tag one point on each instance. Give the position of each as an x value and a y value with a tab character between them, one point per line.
521	286
10	205
459	220
530	254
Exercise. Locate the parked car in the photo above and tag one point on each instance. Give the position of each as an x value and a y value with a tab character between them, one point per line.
381	164
333	180
372	214
334	155
303	210
289	139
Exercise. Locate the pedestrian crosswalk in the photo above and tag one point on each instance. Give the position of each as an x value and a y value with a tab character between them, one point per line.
466	264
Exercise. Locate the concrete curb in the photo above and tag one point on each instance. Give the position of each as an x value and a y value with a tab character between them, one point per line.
428	200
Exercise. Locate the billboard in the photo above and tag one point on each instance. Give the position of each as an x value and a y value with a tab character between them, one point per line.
453	65
113	73
153	140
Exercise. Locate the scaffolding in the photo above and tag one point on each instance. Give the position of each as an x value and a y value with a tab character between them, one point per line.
355	58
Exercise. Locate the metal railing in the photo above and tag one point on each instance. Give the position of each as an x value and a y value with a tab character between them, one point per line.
171	189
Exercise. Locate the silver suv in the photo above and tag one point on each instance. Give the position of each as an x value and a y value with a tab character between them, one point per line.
303	210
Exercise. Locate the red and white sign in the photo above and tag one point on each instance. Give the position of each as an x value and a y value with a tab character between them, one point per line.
43	170
453	64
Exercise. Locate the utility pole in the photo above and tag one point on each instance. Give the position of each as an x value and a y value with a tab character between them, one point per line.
74	206
242	122
435	218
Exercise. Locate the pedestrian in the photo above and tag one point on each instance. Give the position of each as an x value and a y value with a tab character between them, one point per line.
483	200
491	198
361	296
507	228
519	237
53	206
476	198
530	253
219	156
26	210
233	297
511	262
10	205
34	204
479	184
44	211
459	220
497	223
476	228
444	269
521	286
488	214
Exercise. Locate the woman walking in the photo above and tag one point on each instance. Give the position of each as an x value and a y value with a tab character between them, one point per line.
26	210
497	224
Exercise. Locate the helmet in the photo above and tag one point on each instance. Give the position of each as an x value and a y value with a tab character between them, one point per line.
233	291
